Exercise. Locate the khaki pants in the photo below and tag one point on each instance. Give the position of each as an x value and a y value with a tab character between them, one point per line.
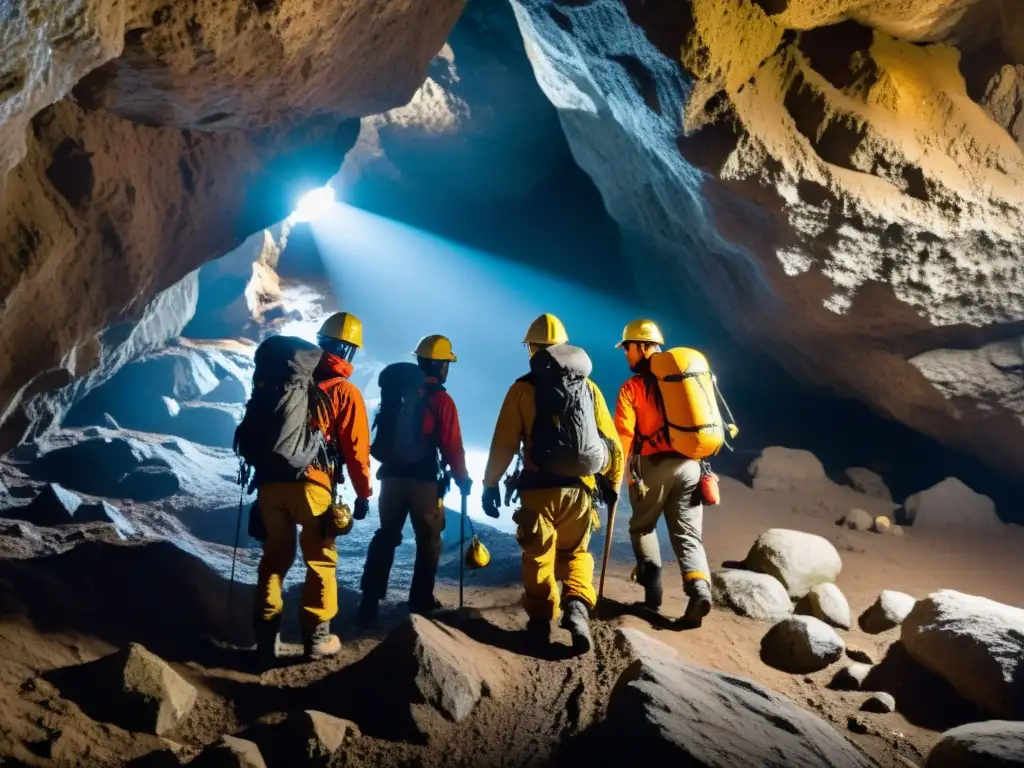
553	529
401	498
283	507
671	481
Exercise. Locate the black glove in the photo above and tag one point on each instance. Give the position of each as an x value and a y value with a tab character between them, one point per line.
491	501
465	485
362	508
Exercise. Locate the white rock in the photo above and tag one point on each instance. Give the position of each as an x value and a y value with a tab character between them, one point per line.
801	644
980	745
951	504
828	603
880	702
851	677
799	560
786	469
869	483
857	520
888	611
756	595
975	644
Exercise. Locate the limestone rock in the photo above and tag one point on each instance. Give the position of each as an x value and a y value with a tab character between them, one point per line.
980	745
105	512
828	603
786	469
132	688
851	677
756	595
230	752
311	738
974	643
674	712
887	612
55	505
801	644
857	520
799	560
869	483
880	703
951	503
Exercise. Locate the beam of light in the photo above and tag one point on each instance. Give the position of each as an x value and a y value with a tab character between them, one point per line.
314	205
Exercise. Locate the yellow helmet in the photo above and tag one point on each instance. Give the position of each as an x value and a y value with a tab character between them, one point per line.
435	347
477	555
642	330
343	326
546	329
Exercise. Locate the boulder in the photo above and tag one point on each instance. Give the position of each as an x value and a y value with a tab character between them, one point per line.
230	752
799	560
311	738
851	677
756	595
867	482
828	603
786	469
55	505
990	744
132	688
677	713
881	703
801	644
951	504
888	611
857	520
975	644
859	654
105	512
882	524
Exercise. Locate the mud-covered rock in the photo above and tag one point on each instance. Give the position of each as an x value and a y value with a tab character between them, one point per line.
801	644
975	644
311	738
799	560
748	593
989	744
786	469
230	752
888	611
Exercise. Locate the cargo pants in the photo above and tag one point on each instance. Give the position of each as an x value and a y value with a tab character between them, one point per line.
285	506
401	498
553	527
671	481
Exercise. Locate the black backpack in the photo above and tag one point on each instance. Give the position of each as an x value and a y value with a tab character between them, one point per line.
565	440
279	437
398	424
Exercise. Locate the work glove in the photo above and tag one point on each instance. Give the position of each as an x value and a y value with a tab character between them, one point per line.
465	485
362	508
491	502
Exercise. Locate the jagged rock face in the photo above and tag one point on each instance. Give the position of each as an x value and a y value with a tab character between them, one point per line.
833	192
203	131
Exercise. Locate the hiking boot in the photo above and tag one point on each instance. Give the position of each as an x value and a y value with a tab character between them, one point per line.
367	611
268	638
321	643
649	575
576	618
700	602
425	606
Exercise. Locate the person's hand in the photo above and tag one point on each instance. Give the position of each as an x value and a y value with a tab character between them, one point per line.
491	501
362	508
465	485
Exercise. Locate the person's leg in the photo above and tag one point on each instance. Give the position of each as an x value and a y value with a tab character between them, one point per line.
278	556
643	526
574	565
320	591
535	533
427	512
684	516
392	508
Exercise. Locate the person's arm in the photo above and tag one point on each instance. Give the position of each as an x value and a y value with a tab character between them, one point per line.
508	434
449	435
613	472
352	433
625	418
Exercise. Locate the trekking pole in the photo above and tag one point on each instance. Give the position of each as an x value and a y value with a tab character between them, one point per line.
607	547
234	557
462	543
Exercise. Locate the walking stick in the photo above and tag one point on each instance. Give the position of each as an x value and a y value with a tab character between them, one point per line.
607	547
462	543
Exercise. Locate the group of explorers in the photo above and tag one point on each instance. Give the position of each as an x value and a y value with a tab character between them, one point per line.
306	423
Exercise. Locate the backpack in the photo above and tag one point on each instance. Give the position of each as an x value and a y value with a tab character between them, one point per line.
685	392
565	440
398	424
280	435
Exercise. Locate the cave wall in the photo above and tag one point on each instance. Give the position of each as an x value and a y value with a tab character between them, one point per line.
188	126
833	193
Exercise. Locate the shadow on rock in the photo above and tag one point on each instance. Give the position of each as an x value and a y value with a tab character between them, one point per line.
923	698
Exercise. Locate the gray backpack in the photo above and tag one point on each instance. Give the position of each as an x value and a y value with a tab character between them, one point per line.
398	425
565	439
